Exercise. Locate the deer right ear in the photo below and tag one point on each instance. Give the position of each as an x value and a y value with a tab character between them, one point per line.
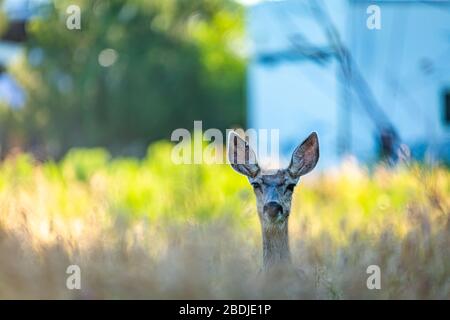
241	156
305	156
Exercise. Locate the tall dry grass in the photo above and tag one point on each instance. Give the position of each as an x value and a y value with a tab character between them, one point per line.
151	229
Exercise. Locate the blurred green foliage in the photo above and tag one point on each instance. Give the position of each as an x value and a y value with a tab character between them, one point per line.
177	61
3	21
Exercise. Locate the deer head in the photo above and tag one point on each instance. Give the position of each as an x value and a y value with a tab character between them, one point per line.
273	190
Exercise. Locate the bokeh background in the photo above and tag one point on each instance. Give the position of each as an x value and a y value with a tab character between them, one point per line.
86	175
133	73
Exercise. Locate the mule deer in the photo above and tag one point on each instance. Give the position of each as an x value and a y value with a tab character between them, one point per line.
273	192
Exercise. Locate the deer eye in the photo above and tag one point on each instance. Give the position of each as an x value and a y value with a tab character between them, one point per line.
256	185
290	187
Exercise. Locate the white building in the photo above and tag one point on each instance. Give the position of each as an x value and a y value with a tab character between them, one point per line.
295	81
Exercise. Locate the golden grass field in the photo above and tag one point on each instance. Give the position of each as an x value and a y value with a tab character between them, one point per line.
151	229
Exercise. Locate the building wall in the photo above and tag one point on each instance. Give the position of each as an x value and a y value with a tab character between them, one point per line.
286	93
406	64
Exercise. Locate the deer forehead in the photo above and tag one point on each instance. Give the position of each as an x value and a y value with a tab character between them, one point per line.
274	178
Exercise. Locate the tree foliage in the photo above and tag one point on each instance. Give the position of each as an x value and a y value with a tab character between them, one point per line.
174	61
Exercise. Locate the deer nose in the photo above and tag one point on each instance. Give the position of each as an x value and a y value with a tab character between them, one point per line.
273	209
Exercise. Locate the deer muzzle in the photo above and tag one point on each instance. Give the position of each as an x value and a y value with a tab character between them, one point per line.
273	210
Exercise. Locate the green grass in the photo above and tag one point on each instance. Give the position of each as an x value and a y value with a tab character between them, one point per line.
152	229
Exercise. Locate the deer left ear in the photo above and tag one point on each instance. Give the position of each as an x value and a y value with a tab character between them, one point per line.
305	156
242	158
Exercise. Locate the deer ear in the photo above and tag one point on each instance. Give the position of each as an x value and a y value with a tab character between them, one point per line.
241	156
305	156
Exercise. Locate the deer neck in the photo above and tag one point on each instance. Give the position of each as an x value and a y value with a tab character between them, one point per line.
275	245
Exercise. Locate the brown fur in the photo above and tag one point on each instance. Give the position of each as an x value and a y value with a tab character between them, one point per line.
273	192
